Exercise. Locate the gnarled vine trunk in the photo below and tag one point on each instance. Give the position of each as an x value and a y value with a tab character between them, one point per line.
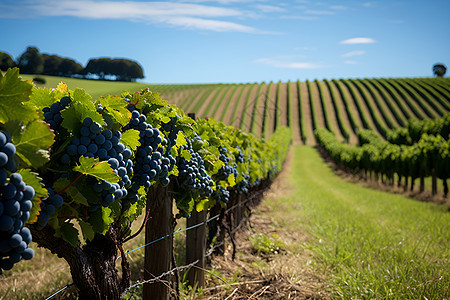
93	267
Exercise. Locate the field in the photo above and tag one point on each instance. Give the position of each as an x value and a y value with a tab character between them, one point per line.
342	240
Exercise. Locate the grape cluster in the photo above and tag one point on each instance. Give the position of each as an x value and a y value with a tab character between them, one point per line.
243	185
227	169
221	194
192	174
52	114
105	145
48	207
15	206
240	157
150	162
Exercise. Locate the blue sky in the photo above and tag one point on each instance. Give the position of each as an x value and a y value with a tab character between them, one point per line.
238	41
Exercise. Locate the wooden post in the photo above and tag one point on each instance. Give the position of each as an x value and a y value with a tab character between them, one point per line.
158	256
196	248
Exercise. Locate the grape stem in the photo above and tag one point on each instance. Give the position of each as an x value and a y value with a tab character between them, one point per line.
70	184
147	217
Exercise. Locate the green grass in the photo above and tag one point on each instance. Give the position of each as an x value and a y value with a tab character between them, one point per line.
95	88
370	244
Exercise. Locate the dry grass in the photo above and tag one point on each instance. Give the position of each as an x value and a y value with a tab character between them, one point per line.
285	274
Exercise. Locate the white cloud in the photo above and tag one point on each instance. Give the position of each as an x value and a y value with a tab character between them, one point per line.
354	53
351	62
358	40
306	18
288	64
269	8
186	15
319	12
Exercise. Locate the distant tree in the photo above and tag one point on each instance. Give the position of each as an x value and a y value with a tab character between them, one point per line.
6	61
31	61
51	64
68	67
119	68
439	70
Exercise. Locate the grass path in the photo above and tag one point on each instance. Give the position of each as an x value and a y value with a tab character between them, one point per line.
370	244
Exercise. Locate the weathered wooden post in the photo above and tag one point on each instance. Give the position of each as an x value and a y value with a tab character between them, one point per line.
158	256
196	248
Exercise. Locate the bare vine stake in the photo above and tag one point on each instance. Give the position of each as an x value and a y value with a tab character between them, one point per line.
158	256
196	248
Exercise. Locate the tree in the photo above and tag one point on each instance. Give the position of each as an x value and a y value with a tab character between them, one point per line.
51	64
69	67
31	61
118	68
439	70
6	61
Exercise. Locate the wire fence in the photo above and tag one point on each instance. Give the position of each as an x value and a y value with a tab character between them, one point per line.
162	238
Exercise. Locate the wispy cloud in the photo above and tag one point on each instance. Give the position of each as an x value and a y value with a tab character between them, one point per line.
351	62
319	12
288	64
358	40
269	8
185	15
354	53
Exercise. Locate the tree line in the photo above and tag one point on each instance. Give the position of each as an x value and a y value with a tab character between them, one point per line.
104	68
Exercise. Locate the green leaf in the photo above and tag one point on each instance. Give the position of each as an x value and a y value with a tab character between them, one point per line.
117	108
186	154
33	144
92	167
130	138
71	191
100	219
231	180
202	205
41	97
69	234
165	119
14	94
87	230
181	140
33	180
80	108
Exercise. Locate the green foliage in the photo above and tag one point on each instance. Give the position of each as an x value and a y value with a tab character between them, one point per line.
261	243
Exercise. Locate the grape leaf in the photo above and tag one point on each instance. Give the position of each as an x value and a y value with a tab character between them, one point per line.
80	108
87	230
165	119
33	144
186	154
117	108
71	191
130	138
231	180
62	87
69	234
92	167
41	97
14	94
100	219
33	180
202	205
181	140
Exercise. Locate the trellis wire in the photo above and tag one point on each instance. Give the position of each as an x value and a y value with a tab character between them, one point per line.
157	240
